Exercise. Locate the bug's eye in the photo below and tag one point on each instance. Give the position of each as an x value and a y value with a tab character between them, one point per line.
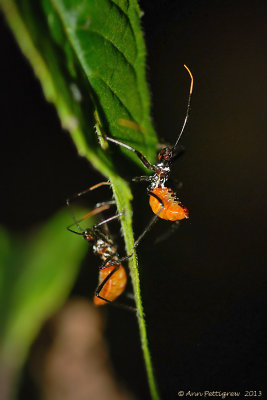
87	236
165	153
166	157
161	154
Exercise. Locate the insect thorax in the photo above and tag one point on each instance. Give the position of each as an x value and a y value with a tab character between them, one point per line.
104	249
160	177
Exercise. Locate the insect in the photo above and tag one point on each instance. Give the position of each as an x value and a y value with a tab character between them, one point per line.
163	201
112	274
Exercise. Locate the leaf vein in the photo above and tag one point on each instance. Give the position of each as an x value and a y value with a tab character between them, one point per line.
115	95
101	35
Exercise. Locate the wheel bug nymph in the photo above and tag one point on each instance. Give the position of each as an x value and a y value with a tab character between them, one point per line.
163	201
112	274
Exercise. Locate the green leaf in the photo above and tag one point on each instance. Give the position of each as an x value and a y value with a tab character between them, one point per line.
36	277
90	59
107	40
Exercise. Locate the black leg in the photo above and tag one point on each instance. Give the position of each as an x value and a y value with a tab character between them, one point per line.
108	220
104	265
144	161
72	231
119	261
110	202
153	220
142	178
97	210
102	284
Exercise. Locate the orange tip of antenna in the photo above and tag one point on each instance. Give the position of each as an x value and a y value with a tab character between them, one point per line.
191	76
99	184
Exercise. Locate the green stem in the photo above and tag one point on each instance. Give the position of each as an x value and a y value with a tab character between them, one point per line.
133	266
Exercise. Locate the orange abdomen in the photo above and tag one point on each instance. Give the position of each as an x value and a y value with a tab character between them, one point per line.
172	210
114	287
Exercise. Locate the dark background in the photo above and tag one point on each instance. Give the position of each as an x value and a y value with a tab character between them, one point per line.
204	289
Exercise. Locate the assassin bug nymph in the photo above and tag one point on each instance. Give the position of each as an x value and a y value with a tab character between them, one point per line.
163	200
112	274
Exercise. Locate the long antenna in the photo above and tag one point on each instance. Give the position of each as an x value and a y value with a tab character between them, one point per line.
91	213
74	219
188	107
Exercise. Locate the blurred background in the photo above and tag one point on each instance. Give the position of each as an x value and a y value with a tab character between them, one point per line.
204	288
